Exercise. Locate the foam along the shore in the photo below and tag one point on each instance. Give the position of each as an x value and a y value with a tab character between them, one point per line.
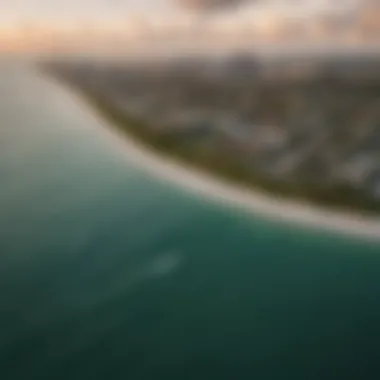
223	190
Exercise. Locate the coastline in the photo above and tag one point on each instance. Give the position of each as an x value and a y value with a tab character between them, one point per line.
222	190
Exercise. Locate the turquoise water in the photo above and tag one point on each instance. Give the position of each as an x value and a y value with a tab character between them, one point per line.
107	273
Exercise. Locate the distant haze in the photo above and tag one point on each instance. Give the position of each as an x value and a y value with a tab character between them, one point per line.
21	11
67	25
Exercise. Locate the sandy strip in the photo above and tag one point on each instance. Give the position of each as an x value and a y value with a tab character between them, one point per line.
224	191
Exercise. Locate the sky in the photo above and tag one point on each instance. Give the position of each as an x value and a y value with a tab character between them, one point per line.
15	12
18	12
61	24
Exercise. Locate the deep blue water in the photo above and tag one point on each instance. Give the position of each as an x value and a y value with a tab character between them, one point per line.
107	273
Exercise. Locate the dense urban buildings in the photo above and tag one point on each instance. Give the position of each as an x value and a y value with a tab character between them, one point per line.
307	126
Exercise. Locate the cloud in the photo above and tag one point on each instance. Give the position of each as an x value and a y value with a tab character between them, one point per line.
215	5
210	5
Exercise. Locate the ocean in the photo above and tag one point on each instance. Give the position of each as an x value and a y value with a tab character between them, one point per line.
109	273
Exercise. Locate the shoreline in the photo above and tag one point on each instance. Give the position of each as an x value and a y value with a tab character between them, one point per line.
218	189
